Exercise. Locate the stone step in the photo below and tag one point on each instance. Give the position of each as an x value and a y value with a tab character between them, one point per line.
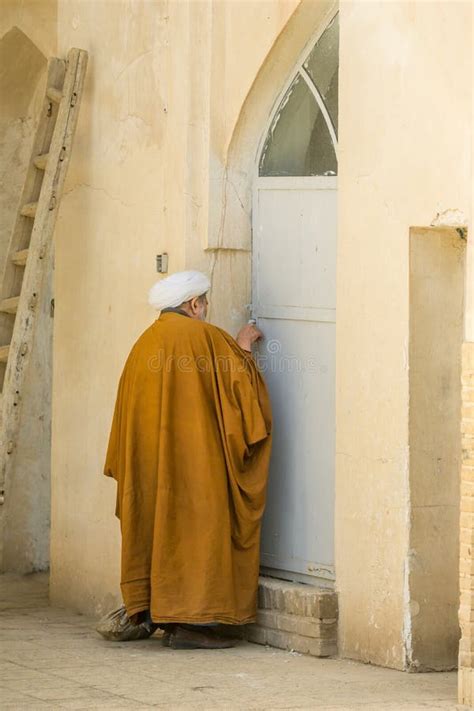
293	616
291	641
297	624
297	599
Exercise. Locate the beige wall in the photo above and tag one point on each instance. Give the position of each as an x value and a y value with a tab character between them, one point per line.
27	39
405	102
36	18
469	291
466	561
436	303
177	97
164	90
23	68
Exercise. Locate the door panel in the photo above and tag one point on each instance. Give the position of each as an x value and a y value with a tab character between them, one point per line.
296	255
294	282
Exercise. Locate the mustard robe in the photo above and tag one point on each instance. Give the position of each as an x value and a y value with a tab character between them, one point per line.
189	448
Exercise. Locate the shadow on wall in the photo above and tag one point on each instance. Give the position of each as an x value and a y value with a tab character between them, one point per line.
25	515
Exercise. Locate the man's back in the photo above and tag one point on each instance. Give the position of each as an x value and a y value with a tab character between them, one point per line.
189	448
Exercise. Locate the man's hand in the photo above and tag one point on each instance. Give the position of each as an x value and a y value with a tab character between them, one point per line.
247	335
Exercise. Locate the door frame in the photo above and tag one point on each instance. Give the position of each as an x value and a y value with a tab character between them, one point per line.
323	575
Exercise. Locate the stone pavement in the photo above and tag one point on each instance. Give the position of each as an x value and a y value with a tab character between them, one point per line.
51	658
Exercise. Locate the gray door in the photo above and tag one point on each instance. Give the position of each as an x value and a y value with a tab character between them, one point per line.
294	302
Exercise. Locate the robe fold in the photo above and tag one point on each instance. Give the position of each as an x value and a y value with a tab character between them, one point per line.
189	448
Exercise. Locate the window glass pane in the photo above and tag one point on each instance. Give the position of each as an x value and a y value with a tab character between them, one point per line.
322	66
298	142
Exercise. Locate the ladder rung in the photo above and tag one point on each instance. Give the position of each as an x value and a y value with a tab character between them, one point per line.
29	210
19	258
4	353
10	306
41	161
54	94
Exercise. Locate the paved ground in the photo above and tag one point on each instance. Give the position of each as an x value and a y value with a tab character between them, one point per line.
52	659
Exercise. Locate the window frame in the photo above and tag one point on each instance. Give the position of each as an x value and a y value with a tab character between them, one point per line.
300	70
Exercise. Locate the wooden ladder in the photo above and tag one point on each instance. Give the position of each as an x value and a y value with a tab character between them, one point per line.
24	274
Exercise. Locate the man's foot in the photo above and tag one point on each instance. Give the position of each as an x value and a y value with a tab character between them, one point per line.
199	638
118	627
165	639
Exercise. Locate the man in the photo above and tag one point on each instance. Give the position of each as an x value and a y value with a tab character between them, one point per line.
189	448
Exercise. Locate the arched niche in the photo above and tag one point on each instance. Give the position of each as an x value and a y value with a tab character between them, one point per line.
24	525
230	224
22	66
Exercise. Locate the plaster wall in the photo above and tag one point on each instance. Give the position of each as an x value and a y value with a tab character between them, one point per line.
436	296
36	18
469	284
466	658
165	86
176	100
27	39
405	123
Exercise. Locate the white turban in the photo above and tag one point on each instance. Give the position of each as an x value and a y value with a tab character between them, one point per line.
177	288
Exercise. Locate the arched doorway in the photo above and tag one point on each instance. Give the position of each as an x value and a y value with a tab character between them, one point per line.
294	302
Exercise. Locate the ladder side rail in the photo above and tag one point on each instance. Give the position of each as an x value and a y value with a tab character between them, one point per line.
41	239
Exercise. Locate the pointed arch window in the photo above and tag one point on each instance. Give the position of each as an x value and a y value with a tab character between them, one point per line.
302	139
